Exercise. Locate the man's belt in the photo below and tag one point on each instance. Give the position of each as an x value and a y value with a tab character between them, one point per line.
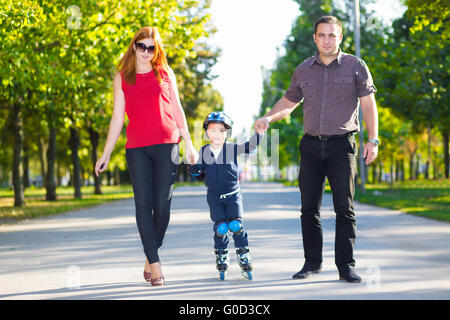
332	137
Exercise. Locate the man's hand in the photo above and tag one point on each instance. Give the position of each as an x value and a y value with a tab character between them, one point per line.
370	152
370	115
261	125
280	110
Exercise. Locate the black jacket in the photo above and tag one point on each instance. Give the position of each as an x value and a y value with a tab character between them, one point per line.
222	175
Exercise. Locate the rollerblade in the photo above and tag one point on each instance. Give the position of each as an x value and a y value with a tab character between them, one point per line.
222	262
245	262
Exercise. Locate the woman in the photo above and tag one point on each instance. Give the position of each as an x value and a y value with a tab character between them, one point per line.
145	88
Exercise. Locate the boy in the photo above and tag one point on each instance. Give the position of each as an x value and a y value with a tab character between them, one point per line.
218	161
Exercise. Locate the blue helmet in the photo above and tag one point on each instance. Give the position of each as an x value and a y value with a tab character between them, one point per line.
219	117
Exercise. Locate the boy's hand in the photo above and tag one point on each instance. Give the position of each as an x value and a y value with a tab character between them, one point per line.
261	125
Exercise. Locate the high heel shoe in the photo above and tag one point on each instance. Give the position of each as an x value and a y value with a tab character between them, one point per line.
157	281
147	276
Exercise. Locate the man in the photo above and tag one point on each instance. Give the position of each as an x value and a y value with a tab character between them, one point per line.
331	82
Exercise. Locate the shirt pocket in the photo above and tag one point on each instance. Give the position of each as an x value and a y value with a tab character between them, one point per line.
344	83
344	86
343	80
308	88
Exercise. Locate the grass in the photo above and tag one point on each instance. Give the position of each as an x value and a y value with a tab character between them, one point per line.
425	198
37	206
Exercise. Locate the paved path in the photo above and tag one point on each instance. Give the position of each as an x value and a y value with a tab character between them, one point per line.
96	253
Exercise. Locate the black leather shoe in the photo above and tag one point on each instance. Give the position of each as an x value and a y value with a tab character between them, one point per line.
307	271
349	276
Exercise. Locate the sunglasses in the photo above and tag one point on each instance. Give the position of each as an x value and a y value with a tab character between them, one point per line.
142	47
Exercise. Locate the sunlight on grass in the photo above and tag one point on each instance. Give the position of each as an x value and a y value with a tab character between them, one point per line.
37	206
425	198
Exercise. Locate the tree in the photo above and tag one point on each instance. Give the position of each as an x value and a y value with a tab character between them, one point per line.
58	62
434	14
432	17
413	79
15	20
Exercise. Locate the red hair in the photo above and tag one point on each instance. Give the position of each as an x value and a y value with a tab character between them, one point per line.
127	65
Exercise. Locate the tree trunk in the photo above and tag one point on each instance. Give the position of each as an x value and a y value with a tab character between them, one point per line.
427	169
83	181
403	169
42	158
428	162
392	171
108	176
19	199
374	174
95	137
411	165
435	165
50	183
58	174
397	170
446	153
26	167
380	172
116	176
74	143
417	171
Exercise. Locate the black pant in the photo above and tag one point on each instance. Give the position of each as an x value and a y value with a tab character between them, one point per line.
152	171
335	159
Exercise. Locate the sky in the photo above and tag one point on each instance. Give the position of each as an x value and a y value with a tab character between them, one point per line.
249	33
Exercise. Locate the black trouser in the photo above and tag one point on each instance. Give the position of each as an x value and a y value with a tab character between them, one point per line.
152	172
335	159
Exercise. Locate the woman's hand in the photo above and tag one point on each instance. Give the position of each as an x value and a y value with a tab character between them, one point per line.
191	153
115	127
102	163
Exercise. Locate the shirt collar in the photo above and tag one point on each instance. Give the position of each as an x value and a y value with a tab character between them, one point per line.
317	59
339	56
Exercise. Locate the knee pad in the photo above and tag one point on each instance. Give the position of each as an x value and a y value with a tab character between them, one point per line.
221	229
236	226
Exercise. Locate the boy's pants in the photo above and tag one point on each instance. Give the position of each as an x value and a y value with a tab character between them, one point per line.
226	209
